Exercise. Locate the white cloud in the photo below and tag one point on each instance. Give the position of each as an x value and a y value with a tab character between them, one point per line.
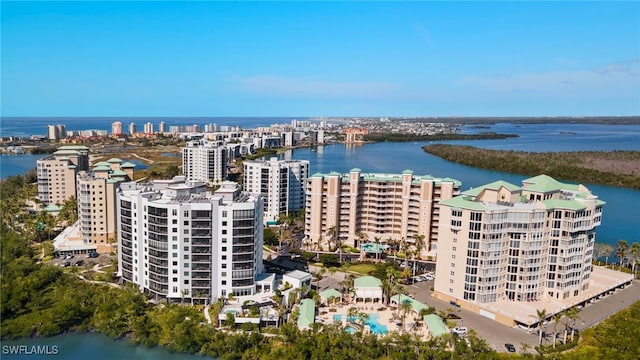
282	86
619	77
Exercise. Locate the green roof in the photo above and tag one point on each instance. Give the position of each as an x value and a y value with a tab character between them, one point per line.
114	160
563	204
463	202
356	170
334	173
119	173
115	180
66	152
73	147
52	208
102	168
496	185
600	202
330	293
102	163
127	165
435	324
307	313
545	183
367	281
415	304
407	172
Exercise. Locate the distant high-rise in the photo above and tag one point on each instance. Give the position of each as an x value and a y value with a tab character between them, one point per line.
56	132
116	128
204	161
162	128
148	128
132	128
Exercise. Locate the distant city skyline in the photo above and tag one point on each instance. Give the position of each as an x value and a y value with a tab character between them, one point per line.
320	59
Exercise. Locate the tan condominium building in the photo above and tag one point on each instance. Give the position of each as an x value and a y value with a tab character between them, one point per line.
57	173
97	202
357	208
501	245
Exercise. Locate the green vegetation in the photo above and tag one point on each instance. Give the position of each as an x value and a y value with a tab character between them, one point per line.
378	137
364	268
616	168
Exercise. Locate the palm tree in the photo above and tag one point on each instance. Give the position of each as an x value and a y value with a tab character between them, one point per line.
572	315
602	250
362	237
406	307
377	240
621	251
331	234
419	244
542	314
556	320
634	252
405	249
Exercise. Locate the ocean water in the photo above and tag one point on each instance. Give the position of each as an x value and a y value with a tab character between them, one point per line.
85	346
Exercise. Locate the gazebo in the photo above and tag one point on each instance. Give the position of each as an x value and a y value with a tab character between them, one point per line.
368	287
328	294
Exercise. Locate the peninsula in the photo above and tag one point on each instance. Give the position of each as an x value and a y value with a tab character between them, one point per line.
614	168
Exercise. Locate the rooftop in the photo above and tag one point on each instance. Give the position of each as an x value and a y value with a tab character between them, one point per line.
367	282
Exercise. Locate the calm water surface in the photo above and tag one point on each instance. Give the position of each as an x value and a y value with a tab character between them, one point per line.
91	347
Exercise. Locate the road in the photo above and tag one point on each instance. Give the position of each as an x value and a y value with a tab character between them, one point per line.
497	334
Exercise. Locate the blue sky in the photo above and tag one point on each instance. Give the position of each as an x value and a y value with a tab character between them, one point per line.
320	58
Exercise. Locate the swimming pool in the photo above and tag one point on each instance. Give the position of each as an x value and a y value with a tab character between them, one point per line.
372	322
337	317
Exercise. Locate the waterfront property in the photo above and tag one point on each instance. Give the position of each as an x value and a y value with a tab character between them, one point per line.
176	241
281	182
350	208
522	248
97	202
57	173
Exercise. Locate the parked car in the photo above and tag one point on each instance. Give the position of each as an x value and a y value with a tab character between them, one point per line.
510	347
460	330
79	262
93	254
66	263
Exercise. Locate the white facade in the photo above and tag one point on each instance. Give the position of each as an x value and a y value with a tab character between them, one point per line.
178	242
204	161
281	182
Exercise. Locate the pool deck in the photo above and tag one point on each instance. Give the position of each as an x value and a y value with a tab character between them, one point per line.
386	316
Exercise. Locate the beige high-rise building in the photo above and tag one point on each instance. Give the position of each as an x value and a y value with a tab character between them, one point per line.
501	244
97	202
57	173
116	128
359	207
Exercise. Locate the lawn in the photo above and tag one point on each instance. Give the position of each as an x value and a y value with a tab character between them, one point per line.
363	269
